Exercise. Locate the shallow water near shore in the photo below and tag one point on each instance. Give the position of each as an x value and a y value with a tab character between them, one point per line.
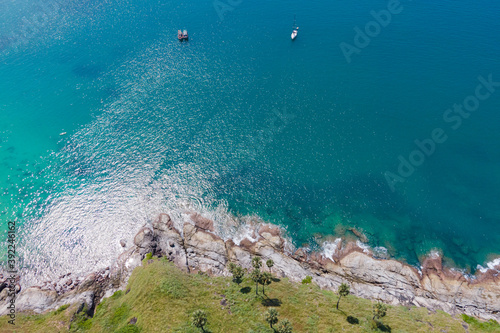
239	121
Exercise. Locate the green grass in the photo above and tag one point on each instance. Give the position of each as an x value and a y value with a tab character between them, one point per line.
61	309
307	280
162	298
484	326
80	322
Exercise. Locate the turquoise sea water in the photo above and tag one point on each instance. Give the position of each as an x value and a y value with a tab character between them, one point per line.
241	121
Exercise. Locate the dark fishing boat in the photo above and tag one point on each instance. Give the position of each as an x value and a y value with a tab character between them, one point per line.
182	35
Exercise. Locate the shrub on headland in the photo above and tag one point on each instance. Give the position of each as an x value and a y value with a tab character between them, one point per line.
343	291
285	326
237	272
199	319
307	280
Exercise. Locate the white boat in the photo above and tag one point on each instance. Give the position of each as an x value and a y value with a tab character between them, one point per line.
295	29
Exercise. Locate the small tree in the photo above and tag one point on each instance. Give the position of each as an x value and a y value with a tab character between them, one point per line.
237	272
199	319
269	264
256	276
343	292
265	279
285	326
272	316
256	262
379	310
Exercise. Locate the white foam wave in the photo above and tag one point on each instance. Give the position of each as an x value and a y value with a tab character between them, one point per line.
489	265
434	254
330	248
363	246
380	252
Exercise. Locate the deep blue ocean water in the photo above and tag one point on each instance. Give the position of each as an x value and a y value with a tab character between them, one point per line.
241	123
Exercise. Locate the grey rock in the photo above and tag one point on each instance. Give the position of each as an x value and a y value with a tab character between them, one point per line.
124	265
3	294
169	241
34	299
144	239
82	298
208	250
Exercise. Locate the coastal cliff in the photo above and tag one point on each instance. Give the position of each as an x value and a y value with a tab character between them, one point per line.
196	248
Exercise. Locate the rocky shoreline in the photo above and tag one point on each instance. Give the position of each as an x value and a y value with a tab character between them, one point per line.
196	248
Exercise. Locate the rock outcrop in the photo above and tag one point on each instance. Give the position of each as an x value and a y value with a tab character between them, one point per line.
206	252
196	248
169	241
